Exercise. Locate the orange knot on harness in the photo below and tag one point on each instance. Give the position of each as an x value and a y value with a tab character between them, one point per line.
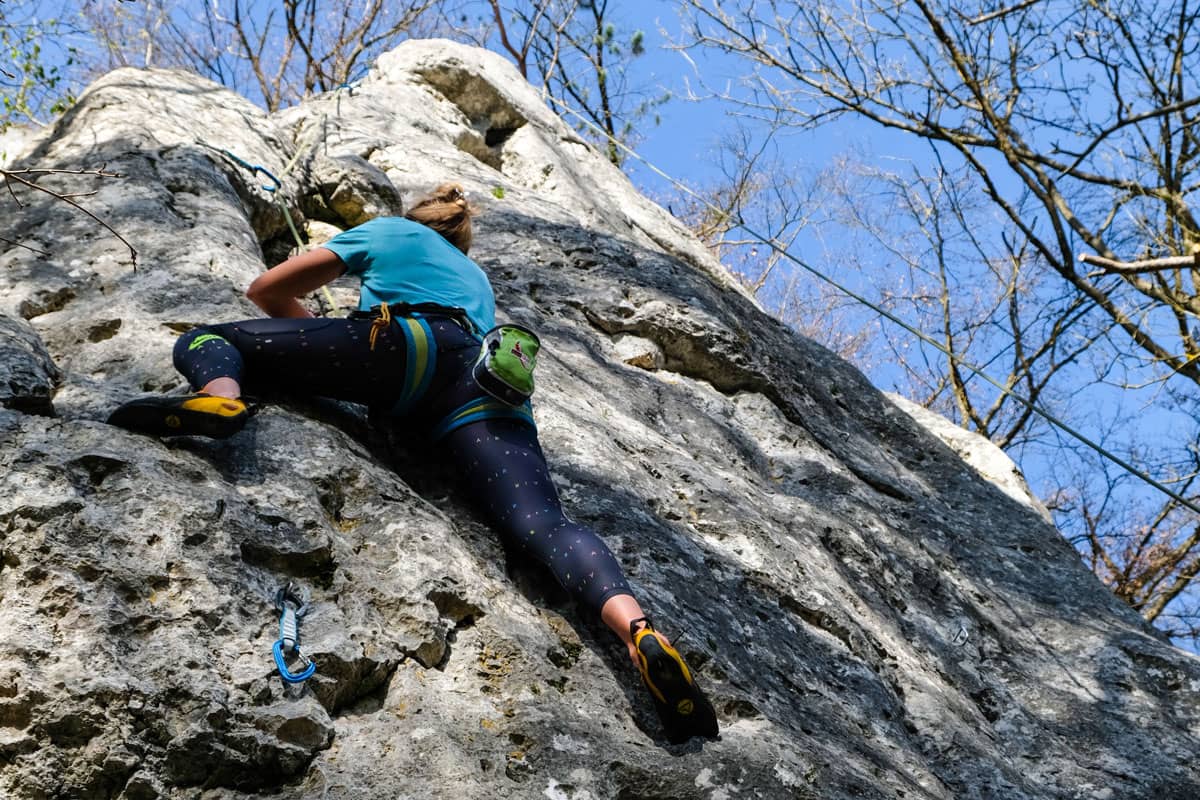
380	323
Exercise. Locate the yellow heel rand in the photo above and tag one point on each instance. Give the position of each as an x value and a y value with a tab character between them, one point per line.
208	404
182	415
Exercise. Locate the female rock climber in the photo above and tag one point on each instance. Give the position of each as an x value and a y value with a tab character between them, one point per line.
414	349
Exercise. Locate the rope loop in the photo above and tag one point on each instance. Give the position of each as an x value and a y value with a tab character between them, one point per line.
380	323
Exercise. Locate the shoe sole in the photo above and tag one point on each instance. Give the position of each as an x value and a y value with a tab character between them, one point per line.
683	708
190	416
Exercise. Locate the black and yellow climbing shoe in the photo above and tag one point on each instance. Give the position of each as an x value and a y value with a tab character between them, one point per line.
684	710
182	415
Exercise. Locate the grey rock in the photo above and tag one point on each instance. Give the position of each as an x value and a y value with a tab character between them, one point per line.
871	617
27	373
639	352
16	140
987	459
351	191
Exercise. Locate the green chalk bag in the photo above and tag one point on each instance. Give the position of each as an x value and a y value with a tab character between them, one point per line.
505	365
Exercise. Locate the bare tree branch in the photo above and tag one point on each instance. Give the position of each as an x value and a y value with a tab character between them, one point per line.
1109	265
24	247
1000	12
27	177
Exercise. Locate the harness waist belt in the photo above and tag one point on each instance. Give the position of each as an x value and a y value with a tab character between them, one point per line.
457	315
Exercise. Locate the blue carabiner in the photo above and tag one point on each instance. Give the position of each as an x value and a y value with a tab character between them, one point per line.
284	672
291	604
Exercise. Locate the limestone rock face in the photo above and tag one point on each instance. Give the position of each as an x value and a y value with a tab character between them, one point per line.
27	373
986	458
13	142
871	617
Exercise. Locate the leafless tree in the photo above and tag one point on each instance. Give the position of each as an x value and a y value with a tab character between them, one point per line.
526	23
28	180
34	70
1073	126
1075	120
1147	553
34	85
275	50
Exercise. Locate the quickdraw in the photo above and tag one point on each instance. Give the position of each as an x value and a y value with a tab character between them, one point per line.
292	604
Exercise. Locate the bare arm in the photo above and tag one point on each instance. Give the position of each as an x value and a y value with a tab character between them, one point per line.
276	290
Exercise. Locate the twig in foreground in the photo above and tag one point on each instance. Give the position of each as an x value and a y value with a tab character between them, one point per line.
26	177
25	246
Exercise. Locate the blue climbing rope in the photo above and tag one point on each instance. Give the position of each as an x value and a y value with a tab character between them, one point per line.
255	169
352	81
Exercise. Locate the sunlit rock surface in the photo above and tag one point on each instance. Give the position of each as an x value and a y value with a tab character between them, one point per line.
979	453
872	618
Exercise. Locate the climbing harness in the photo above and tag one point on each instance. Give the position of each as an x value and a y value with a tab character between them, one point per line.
504	368
416	337
292	604
479	409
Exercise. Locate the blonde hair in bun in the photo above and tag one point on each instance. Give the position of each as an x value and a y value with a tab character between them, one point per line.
446	210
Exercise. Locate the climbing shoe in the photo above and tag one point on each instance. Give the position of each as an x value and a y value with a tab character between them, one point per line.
684	710
182	415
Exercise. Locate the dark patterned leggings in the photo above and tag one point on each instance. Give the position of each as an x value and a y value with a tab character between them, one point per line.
425	368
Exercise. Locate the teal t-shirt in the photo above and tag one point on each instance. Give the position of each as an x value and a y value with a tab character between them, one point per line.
401	261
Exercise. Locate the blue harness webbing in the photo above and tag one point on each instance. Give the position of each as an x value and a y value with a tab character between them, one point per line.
482	408
420	363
